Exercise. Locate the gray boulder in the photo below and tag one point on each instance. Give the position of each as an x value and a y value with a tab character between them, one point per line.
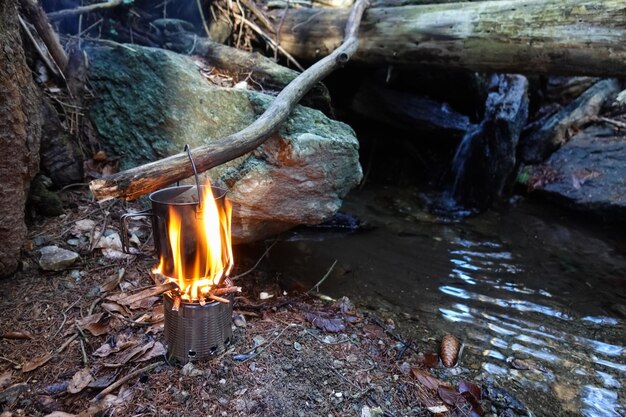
587	173
54	258
150	102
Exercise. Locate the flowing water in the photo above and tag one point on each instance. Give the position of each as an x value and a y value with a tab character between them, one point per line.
527	285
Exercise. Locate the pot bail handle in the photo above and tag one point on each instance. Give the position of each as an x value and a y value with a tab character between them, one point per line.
195	172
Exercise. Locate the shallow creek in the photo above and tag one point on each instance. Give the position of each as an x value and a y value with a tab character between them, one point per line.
531	284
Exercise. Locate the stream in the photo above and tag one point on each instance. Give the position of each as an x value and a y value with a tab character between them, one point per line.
532	286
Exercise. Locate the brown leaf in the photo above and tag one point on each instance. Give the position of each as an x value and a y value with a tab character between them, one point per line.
431	360
155	328
116	308
155	351
79	381
123	358
5	379
114	345
426	379
449	396
100	156
17	335
329	324
96	324
144	304
112	283
449	351
469	387
374	331
103	381
36	363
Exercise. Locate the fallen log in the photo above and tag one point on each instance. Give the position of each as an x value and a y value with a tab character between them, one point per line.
259	68
580	37
138	181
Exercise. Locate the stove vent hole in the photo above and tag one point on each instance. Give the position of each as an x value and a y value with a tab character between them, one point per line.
213	350
192	353
227	341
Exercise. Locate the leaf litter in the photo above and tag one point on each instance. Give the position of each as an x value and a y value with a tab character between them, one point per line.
100	328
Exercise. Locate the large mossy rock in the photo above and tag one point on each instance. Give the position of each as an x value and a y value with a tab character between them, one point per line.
150	102
587	174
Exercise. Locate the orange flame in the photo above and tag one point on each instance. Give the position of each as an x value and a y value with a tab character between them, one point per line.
210	238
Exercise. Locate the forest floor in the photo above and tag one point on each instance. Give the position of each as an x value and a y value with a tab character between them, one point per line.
66	339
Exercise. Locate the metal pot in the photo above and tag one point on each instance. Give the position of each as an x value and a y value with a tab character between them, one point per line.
184	202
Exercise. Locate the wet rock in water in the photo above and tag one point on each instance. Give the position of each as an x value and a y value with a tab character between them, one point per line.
556	130
486	158
587	173
151	102
54	258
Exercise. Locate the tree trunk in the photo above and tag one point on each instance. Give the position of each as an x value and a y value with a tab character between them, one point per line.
20	131
581	37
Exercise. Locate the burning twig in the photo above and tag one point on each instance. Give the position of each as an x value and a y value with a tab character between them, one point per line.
176	305
216	298
149	292
225	290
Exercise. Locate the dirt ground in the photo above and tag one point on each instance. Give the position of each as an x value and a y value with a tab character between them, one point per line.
67	341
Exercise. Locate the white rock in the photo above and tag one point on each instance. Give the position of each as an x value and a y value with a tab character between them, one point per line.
54	258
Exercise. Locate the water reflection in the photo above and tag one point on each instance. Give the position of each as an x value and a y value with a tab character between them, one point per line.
512	287
523	336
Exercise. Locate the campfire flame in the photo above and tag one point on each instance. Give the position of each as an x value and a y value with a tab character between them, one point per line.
197	274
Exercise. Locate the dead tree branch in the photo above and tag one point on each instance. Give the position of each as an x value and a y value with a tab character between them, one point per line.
83	9
37	17
138	181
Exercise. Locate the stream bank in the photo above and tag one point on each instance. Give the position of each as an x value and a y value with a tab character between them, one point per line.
536	294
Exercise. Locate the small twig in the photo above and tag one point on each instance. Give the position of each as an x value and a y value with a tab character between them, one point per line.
280	26
82	349
220	299
272	43
616	123
122	381
93	306
264	347
83	9
204	23
396	336
67	343
89	28
73	304
44	55
316	287
10	361
61	326
257	262
259	14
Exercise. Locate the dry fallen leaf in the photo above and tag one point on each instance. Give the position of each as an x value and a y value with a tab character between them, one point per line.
60	414
122	342
116	308
16	335
96	324
123	358
5	379
112	283
36	363
155	351
79	381
426	379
